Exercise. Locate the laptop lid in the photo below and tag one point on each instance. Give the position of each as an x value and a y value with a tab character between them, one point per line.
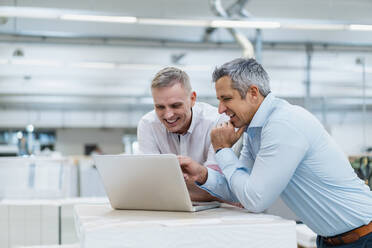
144	182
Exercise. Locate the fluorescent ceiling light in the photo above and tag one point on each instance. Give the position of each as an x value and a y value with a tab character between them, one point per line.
37	13
358	27
73	15
97	65
36	62
360	70
174	22
158	67
243	24
99	18
310	26
140	66
204	68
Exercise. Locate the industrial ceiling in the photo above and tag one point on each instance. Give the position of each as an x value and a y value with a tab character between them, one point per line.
53	58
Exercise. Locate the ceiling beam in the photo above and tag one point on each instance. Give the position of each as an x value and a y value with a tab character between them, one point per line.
41	38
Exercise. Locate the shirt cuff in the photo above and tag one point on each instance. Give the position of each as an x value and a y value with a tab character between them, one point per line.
228	162
212	183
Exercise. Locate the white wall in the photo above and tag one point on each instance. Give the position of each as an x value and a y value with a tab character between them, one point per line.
71	141
347	130
350	137
69	118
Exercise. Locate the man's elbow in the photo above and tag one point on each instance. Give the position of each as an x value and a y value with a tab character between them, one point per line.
255	207
255	203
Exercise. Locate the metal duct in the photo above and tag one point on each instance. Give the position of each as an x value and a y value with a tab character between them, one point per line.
241	39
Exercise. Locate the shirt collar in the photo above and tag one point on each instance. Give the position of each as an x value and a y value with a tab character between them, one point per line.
263	112
194	116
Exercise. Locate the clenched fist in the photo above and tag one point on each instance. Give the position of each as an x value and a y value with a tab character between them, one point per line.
224	135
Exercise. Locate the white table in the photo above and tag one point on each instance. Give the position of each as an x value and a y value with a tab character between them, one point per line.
101	226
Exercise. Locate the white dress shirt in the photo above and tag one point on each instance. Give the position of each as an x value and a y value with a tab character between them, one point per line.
154	138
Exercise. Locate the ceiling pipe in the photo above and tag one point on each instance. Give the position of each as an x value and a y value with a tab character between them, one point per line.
258	45
237	8
241	39
309	53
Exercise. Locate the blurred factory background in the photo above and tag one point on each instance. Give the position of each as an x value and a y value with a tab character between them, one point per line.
80	80
75	75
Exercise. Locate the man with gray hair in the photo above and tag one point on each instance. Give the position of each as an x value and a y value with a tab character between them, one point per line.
179	124
286	153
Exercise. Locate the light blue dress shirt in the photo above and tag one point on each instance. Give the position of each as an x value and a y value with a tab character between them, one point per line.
288	153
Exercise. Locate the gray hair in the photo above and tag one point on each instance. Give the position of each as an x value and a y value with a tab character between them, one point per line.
170	76
244	73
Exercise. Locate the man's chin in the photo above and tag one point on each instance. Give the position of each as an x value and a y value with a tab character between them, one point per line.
175	129
237	124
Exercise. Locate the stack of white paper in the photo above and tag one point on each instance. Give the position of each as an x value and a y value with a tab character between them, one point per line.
39	222
4	221
67	216
31	222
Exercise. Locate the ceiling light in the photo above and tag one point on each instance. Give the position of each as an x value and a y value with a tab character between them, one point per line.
36	62
205	68
30	128
358	27
243	24
19	135
310	26
73	15
37	13
140	66
97	65
174	22
99	18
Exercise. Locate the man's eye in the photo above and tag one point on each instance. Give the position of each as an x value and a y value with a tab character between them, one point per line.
159	107
226	99
176	105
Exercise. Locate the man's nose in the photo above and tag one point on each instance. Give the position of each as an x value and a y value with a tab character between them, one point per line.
168	113
221	108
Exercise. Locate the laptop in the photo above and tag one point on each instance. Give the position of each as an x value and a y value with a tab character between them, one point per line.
146	182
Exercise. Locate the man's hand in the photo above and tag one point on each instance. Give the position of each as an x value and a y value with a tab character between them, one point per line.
193	171
224	135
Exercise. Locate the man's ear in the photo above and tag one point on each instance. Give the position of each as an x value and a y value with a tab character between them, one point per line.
193	98
253	92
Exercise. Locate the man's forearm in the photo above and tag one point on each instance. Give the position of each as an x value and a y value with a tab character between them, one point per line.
203	176
217	186
198	194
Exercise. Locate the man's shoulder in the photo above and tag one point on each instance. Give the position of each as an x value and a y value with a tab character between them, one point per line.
291	114
150	118
209	114
206	111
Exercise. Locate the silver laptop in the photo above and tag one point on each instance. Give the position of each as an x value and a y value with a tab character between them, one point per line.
146	182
